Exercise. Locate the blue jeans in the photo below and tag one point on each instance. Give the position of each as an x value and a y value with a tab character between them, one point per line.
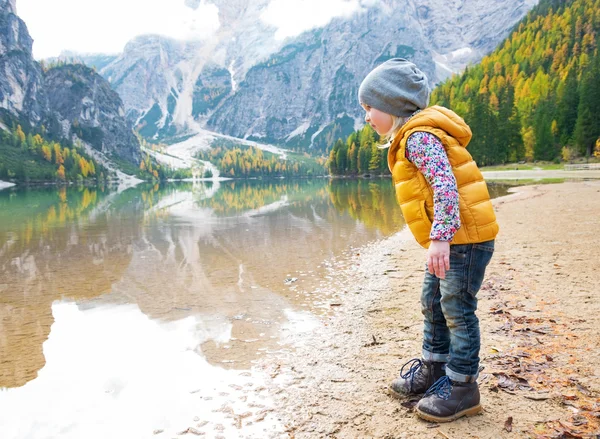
451	332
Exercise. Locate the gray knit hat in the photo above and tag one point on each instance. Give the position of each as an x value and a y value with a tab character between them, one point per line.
395	87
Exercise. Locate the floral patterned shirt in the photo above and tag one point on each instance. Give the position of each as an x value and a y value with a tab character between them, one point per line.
427	153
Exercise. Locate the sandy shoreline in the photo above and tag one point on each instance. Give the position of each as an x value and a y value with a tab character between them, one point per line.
539	175
539	322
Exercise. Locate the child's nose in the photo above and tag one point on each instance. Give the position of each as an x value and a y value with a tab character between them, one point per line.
367	118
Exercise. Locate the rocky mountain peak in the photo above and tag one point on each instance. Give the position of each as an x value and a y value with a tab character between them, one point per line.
13	31
69	101
232	11
87	107
8	6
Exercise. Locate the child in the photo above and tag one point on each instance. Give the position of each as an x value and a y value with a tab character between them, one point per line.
446	204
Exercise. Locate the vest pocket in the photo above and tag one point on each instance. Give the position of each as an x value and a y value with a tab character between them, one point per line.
416	217
425	216
424	225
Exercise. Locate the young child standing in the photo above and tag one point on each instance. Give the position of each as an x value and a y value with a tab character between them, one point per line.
446	204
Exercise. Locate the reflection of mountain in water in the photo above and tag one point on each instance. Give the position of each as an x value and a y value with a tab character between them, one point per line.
49	251
219	254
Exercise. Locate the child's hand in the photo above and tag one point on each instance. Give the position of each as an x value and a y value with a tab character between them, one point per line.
438	258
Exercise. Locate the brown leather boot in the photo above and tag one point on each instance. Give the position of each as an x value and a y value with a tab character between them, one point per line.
448	400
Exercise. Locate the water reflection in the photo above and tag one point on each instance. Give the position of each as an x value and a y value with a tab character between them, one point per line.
48	249
218	252
113	372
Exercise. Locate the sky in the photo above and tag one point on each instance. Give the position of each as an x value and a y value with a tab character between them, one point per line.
106	26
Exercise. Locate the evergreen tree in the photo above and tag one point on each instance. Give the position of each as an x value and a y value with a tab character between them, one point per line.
587	126
510	142
477	119
544	148
567	108
341	156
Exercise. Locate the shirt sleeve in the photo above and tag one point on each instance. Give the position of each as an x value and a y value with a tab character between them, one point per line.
427	153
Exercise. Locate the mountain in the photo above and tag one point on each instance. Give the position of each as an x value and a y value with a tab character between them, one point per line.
86	106
66	102
8	6
302	91
537	96
169	86
21	79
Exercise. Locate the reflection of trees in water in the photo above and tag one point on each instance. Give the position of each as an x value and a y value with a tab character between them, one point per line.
234	197
39	212
499	189
50	250
372	202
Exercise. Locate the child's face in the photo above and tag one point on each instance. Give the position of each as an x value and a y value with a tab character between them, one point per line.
380	121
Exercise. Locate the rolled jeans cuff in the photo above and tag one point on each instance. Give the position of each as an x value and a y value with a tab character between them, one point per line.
459	377
436	358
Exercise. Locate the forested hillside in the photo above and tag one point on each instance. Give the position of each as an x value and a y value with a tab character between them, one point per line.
539	92
536	97
358	155
31	157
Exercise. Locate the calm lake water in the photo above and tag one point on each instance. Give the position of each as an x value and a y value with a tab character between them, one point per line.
141	313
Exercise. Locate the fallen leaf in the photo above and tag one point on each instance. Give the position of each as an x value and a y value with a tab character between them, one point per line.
410	404
579	420
512	383
538	396
508	424
569	435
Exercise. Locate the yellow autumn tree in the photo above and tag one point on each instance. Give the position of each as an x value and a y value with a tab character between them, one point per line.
20	135
37	141
61	172
58	157
47	153
83	167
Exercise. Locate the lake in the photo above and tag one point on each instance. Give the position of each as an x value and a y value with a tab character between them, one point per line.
144	312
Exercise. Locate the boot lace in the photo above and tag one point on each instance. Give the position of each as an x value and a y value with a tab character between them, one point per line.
441	388
413	367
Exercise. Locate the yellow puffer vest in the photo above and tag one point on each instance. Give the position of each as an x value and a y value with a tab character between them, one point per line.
477	217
